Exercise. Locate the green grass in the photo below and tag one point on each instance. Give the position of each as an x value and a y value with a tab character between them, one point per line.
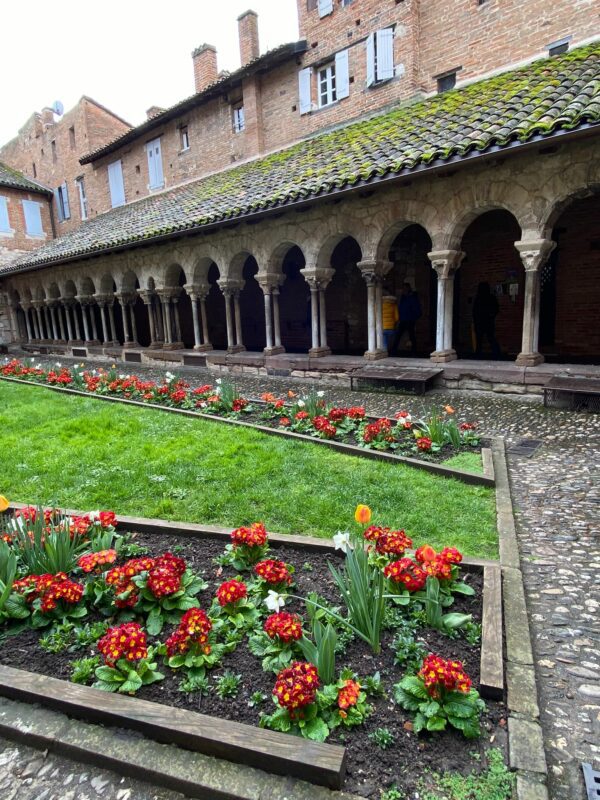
468	461
85	454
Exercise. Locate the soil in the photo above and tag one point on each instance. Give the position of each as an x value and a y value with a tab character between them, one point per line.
370	769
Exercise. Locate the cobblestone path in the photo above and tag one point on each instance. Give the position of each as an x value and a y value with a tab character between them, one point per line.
556	494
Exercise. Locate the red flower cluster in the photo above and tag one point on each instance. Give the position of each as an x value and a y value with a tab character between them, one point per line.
162	582
50	589
356	412
273	572
172	563
337	414
300	415
373	532
438	565
205	389
120	579
287	627
380	430
424	443
62	378
406	572
296	686
191	633
126	641
348	694
392	543
467	426
239	404
231	592
324	426
254	536
285	422
440	675
92	561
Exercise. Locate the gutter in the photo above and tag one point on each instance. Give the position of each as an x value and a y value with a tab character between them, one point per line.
585	130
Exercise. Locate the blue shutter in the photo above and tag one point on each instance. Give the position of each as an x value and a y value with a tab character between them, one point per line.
33	218
304	82
325	7
4	221
371	59
58	201
65	199
385	54
342	77
115	183
155	170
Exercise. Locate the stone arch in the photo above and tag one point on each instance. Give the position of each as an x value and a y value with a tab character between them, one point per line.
69	289
128	281
174	275
86	286
346	298
53	291
288	261
201	267
107	284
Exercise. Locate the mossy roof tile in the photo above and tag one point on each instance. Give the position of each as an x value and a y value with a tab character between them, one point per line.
16	180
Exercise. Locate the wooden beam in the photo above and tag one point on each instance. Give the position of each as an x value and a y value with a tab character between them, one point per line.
491	681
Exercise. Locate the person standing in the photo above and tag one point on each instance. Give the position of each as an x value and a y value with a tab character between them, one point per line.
485	311
389	319
409	311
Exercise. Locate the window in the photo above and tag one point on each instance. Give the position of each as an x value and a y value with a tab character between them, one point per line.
239	122
33	218
559	47
72	137
184	135
4	221
325	7
155	170
82	198
446	82
53	148
115	184
380	56
326	85
61	195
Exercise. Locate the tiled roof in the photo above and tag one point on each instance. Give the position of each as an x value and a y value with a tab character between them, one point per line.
548	96
265	61
16	180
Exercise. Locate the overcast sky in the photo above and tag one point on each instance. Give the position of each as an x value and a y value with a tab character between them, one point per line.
126	54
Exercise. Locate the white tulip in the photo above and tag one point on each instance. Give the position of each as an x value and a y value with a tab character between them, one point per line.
341	541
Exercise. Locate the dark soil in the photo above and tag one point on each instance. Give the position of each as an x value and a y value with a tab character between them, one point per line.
370	769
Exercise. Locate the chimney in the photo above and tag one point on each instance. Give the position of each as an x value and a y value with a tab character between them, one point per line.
153	111
205	66
47	117
248	33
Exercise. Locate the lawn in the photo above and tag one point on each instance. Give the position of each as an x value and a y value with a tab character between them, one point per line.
83	453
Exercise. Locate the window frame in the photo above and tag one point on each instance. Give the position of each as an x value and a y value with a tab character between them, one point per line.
122	183
8	231
33	205
184	138
239	118
154	187
330	84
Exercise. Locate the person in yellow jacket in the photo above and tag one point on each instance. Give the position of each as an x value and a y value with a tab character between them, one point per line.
390	318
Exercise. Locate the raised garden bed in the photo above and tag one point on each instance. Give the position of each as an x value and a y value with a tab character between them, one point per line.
353	757
424	444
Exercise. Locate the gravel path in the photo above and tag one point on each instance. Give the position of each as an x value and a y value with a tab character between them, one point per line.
556	494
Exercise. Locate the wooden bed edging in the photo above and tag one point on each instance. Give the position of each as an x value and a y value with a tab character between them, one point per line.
471	478
279	753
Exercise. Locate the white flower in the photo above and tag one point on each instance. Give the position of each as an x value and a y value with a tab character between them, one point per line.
274	601
58	364
219	380
121	376
321	393
341	541
93	515
301	403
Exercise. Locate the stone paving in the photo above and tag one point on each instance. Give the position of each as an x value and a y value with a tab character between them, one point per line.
556	494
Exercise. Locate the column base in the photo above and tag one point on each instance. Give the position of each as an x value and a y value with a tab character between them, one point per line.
236	348
203	348
375	355
112	343
529	359
75	342
273	351
93	343
443	356
319	352
172	346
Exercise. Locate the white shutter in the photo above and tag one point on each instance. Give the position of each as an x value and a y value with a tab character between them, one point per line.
115	182
342	77
65	199
385	54
4	221
325	7
304	87
33	218
371	59
155	170
59	207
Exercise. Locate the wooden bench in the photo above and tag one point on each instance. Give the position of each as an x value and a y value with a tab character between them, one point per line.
573	393
408	380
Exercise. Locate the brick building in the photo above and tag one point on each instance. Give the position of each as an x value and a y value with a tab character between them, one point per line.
271	210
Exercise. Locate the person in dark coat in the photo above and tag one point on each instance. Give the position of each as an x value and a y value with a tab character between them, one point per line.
485	311
409	311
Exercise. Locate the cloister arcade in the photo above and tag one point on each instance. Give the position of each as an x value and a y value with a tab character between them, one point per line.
313	281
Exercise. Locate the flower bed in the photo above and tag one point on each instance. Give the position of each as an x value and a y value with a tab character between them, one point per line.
363	646
433	439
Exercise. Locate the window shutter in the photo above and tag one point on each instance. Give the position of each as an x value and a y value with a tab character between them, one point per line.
304	85
59	208
371	59
115	182
65	197
385	54
33	218
325	7
155	171
4	221
342	77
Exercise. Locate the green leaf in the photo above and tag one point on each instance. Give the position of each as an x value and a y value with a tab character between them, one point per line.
459	587
109	675
414	686
104	686
458	708
154	622
419	723
430	709
176	661
151	676
315	729
455	620
436	724
469	727
132	684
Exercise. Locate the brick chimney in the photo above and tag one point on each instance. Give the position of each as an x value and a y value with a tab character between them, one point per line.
205	66
47	117
153	111
248	33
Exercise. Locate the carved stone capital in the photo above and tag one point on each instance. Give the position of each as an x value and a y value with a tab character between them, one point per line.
445	262
534	252
317	279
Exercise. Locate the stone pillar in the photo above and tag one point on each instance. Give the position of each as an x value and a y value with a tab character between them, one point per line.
105	336
39	320
111	320
322	320
268	320
239	343
61	321
123	300
95	339
314	317
533	255
54	324
77	327
276	320
373	272
229	321
200	336
134	342
86	329
318	280
177	320
157	311
46	313
15	327
204	319
445	263
166	313
26	307
68	318
271	299
147	300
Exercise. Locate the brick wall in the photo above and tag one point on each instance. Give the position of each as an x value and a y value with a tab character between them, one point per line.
20	240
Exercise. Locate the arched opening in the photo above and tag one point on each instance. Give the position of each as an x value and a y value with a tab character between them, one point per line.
417	307
570	286
140	315
215	310
294	304
346	301
252	308
489	289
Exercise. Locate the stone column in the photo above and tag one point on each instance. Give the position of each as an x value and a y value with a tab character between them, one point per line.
46	312
61	321
314	317
177	319
77	327
322	320
147	300
318	280
131	304
534	255
276	320
445	263
190	290
229	321
86	328
95	339
68	318
123	300
205	337
105	336
54	325
165	299
15	327
111	320
272	333
39	320
26	307
373	272
239	343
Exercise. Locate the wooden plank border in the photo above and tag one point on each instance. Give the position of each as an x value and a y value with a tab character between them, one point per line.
471	478
281	754
491	675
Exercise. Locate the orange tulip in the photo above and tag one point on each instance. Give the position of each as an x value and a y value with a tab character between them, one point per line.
291	394
448	409
362	514
4	504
